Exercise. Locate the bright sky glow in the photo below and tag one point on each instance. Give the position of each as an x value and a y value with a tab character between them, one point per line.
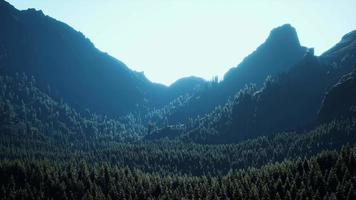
171	39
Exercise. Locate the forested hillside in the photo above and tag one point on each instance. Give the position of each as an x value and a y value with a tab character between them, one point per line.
330	175
68	66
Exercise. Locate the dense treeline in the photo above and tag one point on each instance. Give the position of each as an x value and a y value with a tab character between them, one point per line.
330	175
28	111
172	157
35	127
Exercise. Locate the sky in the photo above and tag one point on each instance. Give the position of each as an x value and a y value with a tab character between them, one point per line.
171	39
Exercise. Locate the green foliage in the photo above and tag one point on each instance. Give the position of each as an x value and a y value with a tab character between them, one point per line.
27	111
329	175
36	127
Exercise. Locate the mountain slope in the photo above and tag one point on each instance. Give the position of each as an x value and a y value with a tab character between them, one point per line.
67	65
340	100
276	55
289	101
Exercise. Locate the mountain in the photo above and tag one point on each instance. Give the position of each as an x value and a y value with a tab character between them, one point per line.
289	101
276	55
341	51
68	66
186	85
75	123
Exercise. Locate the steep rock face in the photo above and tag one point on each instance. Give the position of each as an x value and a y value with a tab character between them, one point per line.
341	99
343	49
68	66
342	55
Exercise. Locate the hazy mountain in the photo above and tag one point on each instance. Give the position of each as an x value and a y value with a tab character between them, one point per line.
276	55
187	84
68	66
289	101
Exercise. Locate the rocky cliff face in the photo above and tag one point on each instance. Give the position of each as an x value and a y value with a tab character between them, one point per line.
340	102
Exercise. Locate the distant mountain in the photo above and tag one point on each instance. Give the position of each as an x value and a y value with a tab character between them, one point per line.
289	101
186	85
68	66
276	55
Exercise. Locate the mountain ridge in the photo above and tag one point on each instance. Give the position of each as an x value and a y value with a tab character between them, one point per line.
68	64
289	101
61	57
254	69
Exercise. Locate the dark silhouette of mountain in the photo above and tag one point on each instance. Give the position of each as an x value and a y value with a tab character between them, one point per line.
276	55
342	49
68	66
291	100
340	102
287	102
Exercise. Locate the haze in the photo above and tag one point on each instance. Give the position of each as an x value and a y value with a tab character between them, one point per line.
169	40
